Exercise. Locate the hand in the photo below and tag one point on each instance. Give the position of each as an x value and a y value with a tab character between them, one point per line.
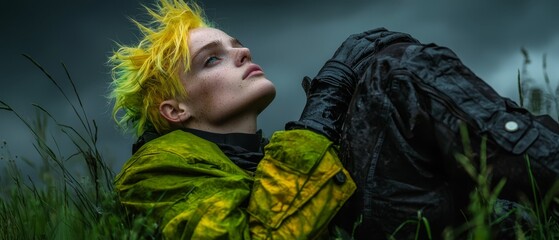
329	93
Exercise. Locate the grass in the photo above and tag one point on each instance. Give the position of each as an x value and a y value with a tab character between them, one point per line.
64	205
531	218
533	97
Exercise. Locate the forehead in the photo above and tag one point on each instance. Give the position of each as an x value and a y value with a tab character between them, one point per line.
199	37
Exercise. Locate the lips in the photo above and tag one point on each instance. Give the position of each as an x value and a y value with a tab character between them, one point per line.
253	69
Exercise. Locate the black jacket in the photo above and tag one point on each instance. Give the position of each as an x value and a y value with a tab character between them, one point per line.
402	133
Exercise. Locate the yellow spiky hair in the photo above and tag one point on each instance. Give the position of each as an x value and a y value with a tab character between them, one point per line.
146	74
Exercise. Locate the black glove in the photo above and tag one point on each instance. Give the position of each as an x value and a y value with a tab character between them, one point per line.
329	93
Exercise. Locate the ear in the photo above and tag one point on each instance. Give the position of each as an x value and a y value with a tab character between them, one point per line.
174	111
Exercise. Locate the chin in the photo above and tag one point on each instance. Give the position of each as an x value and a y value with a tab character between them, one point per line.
267	94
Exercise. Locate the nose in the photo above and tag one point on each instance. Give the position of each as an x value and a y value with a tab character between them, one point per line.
242	56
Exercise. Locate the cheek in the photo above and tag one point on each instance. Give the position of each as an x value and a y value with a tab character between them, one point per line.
212	88
210	84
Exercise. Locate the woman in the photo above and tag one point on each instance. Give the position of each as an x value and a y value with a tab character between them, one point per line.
205	175
393	105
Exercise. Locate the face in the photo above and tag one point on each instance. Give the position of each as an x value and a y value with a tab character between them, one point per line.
223	84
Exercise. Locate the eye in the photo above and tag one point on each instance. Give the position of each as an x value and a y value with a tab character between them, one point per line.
210	61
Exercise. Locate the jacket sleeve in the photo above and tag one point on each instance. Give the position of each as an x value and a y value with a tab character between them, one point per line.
293	195
299	187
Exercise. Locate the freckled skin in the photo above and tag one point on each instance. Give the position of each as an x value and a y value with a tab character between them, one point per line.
219	98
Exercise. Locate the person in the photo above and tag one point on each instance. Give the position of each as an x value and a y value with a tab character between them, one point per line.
199	170
385	107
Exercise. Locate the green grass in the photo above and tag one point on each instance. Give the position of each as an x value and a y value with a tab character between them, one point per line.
532	219
532	96
65	205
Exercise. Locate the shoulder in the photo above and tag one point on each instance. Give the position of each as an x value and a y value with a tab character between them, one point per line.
180	143
179	150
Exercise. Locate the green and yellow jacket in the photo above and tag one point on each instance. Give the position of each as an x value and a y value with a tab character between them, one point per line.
194	191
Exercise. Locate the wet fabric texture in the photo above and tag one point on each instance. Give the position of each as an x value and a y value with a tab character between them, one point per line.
401	135
331	90
192	190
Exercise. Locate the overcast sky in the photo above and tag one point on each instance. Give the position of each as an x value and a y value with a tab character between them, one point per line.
289	39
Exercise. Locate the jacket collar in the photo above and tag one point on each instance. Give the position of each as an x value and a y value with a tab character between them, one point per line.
250	142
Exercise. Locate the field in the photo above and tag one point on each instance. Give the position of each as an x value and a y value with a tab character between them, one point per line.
61	205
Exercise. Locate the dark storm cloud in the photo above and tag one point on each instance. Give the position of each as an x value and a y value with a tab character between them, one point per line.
289	39
487	30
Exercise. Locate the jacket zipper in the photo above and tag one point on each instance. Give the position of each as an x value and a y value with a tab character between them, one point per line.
447	102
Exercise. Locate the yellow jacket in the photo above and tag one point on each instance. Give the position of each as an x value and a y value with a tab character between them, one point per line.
193	191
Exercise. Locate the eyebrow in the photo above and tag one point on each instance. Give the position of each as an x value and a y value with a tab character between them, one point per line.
214	44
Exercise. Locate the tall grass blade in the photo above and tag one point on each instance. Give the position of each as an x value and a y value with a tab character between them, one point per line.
55	83
520	90
71	81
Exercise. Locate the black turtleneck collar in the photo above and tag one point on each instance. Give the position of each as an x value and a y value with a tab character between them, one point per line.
250	142
244	149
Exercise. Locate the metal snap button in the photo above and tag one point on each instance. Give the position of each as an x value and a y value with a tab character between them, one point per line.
340	177
511	126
